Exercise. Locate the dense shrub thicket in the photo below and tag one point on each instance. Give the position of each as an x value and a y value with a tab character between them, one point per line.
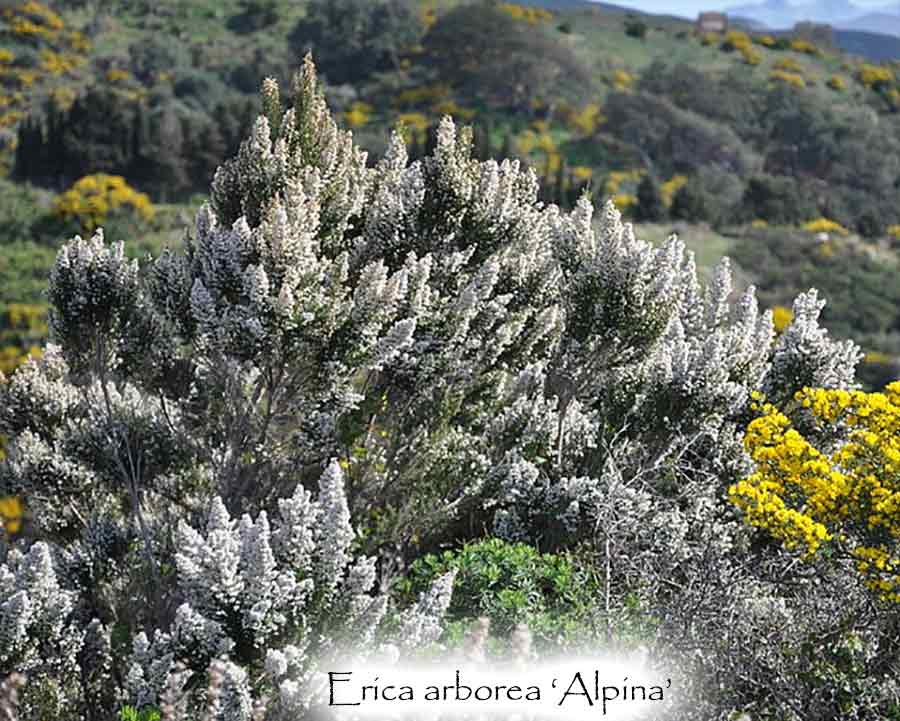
233	452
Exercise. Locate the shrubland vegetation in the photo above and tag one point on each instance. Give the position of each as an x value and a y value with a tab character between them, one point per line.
501	405
733	130
397	405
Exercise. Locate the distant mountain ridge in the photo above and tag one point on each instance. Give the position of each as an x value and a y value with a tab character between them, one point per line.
878	22
872	46
841	14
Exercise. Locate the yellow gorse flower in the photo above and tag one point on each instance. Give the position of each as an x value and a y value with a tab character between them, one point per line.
849	496
825	225
11	512
93	197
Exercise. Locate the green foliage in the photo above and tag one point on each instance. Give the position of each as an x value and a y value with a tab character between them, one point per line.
147	713
691	203
510	583
351	39
159	144
863	292
650	207
778	200
18	207
256	15
636	29
153	54
24	267
845	153
517	63
676	140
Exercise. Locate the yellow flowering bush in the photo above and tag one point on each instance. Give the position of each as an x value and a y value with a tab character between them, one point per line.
759	223
789	64
78	42
10	118
624	201
63	97
31	20
424	94
57	64
709	38
893	97
530	141
824	225
765	40
800	45
359	114
668	189
429	17
622	79
894	231
584	121
11	512
836	82
847	498
617	178
874	76
554	162
115	75
25	316
736	40
450	107
531	15
751	56
413	125
12	356
825	250
26	78
92	198
59	52
789	78
875	356
582	173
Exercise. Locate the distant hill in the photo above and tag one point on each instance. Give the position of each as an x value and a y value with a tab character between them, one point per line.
871	35
880	23
782	14
558	5
872	46
746	23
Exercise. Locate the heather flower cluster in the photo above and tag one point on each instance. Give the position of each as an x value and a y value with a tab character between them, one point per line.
231	455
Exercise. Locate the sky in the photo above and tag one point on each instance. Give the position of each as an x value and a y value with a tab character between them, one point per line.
690	8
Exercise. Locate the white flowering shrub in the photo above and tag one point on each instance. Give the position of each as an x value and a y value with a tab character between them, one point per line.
227	449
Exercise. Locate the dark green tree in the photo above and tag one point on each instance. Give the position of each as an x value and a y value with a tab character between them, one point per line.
485	53
650	207
351	39
690	203
777	199
256	15
636	29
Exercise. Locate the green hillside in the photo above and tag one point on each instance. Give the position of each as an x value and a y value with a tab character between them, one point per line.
721	135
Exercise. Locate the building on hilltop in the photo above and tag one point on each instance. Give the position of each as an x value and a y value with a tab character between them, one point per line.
712	22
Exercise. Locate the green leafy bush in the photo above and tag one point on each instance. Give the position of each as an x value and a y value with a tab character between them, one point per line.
147	713
511	583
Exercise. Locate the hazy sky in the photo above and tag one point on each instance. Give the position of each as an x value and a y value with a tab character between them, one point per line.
690	8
